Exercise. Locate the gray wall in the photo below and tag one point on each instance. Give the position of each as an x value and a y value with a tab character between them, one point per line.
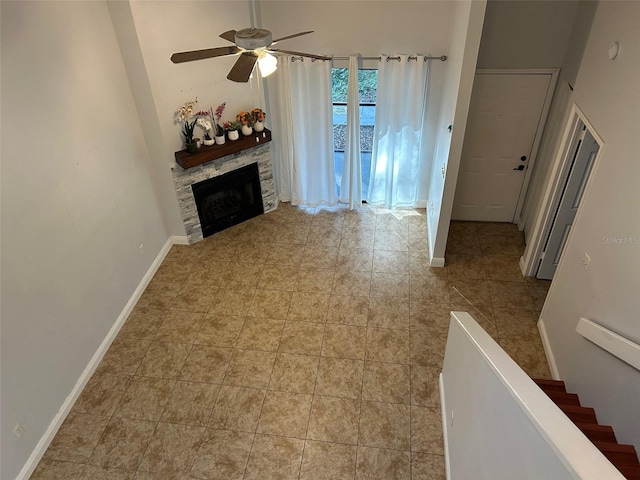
526	34
607	228
77	203
559	108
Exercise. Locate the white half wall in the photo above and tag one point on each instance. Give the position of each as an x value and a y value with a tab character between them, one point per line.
499	424
77	203
607	227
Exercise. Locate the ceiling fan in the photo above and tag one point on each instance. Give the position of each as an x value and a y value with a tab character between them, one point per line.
253	45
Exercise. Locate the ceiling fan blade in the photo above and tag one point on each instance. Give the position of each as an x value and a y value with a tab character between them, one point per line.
291	36
182	57
241	70
229	35
300	54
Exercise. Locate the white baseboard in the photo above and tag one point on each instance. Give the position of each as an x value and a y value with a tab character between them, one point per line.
437	262
178	240
50	433
445	435
523	266
553	368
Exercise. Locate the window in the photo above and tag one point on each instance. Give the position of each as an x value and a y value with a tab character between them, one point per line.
368	88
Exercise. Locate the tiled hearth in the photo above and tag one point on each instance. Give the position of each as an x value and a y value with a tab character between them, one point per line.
183	179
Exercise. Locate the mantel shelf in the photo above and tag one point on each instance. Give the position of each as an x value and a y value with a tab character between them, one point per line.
208	153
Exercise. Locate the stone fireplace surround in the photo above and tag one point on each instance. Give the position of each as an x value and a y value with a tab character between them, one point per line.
183	179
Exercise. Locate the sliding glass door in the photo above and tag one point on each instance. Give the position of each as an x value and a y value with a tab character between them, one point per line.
368	89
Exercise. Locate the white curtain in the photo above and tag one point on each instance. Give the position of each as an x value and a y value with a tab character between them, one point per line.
400	108
351	184
300	99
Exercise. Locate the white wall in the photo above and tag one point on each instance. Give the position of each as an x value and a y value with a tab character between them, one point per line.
526	34
370	28
456	96
158	29
499	424
76	204
607	292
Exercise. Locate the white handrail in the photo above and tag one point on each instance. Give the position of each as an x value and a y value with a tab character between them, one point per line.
615	344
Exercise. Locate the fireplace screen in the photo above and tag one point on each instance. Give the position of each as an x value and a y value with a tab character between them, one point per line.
229	199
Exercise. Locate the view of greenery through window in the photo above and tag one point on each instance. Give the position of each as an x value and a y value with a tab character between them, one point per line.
368	89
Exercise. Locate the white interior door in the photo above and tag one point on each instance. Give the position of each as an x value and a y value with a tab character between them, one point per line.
503	120
585	153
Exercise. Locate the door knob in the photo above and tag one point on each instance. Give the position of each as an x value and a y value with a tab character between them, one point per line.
523	158
519	167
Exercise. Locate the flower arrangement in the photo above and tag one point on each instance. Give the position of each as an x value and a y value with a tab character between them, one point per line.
250	118
205	125
216	118
186	116
245	118
234	125
258	115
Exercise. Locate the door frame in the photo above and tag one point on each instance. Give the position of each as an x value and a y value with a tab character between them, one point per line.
553	72
551	196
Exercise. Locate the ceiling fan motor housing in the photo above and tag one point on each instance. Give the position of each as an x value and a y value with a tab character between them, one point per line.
253	38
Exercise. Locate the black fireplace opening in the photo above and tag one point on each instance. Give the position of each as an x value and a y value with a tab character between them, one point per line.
229	199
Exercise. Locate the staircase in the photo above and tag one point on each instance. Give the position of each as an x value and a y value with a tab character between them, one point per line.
623	457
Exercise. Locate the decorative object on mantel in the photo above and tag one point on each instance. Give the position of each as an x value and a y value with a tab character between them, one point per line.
258	117
188	119
232	129
207	154
246	119
216	117
206	126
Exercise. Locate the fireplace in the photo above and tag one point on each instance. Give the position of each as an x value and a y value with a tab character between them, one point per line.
228	199
185	178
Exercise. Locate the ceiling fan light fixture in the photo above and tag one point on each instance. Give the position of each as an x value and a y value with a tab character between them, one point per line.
253	38
267	64
251	46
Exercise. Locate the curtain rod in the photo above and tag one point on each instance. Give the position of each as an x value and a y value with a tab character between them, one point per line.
442	58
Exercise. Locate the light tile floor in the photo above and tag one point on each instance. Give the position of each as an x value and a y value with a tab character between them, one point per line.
300	344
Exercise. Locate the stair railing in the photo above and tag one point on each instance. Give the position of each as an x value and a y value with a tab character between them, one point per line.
497	423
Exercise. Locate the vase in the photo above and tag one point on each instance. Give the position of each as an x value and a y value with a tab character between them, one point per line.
258	126
233	134
209	141
192	145
247	130
220	139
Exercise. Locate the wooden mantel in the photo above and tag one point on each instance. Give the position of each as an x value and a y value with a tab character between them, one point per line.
206	154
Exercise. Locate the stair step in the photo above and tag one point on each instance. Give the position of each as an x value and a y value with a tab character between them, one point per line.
619	454
597	433
564	398
550	385
629	472
579	414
